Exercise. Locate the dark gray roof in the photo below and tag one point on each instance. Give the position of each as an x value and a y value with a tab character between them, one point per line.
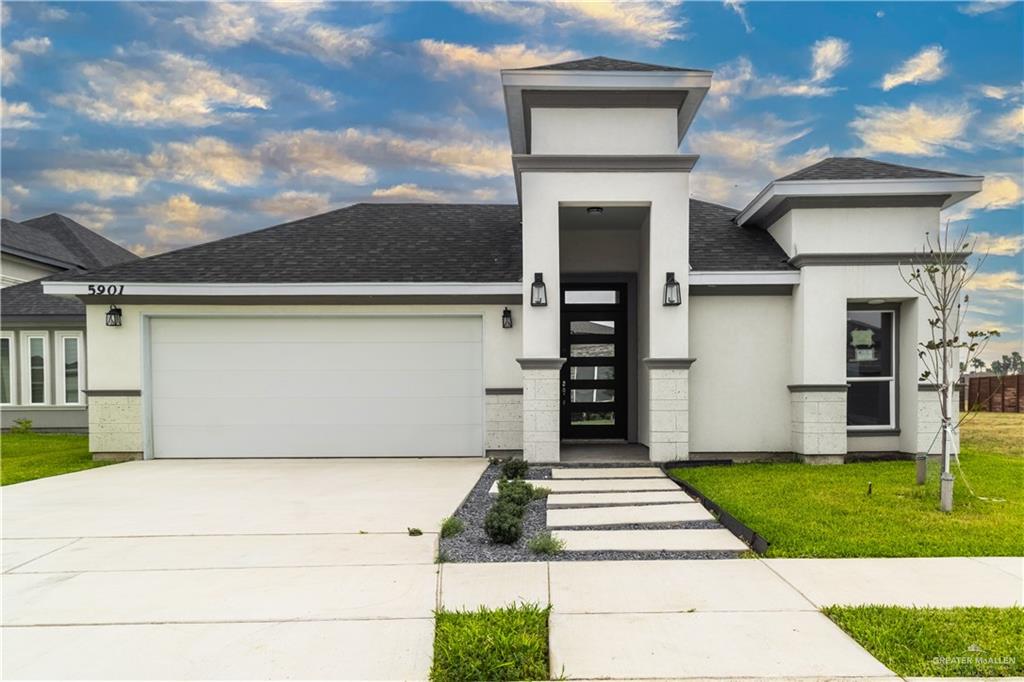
28	300
28	242
603	64
718	243
413	243
856	168
90	249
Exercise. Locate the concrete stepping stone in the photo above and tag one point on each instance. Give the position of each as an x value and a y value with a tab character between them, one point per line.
614	499
607	516
600	485
608	472
684	539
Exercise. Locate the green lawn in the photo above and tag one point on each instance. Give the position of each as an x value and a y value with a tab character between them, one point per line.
963	642
26	456
826	511
500	644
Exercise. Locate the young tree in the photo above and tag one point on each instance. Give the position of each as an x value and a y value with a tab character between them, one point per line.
940	279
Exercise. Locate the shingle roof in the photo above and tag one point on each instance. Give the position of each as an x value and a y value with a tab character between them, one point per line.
27	241
413	243
90	249
28	300
857	168
602	64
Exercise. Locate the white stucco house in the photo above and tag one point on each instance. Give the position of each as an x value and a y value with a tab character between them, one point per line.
606	306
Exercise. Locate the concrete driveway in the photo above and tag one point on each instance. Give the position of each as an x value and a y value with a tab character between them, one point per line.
227	569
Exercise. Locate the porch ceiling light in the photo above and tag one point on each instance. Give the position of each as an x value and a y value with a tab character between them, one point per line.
595	210
506	319
673	292
538	292
114	316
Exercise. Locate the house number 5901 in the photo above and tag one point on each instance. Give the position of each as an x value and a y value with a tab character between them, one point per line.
106	289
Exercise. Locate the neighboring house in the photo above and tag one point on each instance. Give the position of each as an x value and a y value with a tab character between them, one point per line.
429	330
42	338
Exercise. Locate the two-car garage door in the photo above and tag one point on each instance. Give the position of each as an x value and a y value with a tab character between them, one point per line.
315	386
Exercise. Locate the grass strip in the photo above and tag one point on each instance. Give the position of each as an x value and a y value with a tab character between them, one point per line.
509	643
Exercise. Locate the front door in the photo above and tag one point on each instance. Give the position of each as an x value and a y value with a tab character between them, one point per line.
594	396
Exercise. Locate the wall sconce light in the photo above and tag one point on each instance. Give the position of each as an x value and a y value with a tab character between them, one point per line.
538	292
114	316
673	292
506	319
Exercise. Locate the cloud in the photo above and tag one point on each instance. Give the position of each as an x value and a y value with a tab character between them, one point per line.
177	222
54	14
36	46
983	7
456	58
322	97
997	92
1007	280
913	131
160	89
7	206
998	244
17	114
9	65
293	204
410	192
92	215
739	79
316	153
997	193
206	162
926	66
648	23
104	184
1009	126
739	7
286	27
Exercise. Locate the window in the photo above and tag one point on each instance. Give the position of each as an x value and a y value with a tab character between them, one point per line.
870	369
35	368
6	370
70	368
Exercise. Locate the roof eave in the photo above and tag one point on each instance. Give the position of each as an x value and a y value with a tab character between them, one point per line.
957	189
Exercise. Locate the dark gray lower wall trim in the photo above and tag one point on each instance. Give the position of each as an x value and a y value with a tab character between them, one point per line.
817	388
541	363
741	290
585	163
873	433
930	387
34	322
113	392
503	391
669	363
48	418
891	258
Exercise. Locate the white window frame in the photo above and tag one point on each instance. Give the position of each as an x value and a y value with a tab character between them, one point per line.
14	367
26	366
59	367
892	373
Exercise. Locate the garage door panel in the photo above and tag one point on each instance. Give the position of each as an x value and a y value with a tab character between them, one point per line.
314	356
354	329
278	440
175	412
312	383
316	387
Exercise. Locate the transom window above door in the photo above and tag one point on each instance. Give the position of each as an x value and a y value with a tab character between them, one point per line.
871	369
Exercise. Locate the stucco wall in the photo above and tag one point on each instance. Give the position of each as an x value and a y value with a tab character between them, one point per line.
854	230
603	131
738	396
14	270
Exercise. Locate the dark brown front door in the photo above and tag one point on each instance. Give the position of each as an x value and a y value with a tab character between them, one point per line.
594	396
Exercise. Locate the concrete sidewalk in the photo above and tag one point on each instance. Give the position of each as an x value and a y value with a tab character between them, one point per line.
722	618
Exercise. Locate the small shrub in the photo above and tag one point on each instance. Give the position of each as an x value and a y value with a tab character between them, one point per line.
22	426
540	492
451	526
442	557
545	543
415	531
503	523
514	468
519	493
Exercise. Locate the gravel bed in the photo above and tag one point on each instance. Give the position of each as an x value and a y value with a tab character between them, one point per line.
473	546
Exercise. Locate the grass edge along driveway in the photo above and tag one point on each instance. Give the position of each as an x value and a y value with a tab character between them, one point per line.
509	643
28	456
827	511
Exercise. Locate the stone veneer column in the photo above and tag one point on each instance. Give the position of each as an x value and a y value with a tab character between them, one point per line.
819	422
669	408
541	424
504	419
115	424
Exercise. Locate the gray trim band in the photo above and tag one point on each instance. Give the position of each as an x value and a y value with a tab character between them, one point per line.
669	363
112	392
890	258
506	299
541	363
503	391
741	289
818	388
603	163
873	433
932	388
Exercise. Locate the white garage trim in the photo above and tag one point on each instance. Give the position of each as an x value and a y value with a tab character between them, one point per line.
147	373
283	289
